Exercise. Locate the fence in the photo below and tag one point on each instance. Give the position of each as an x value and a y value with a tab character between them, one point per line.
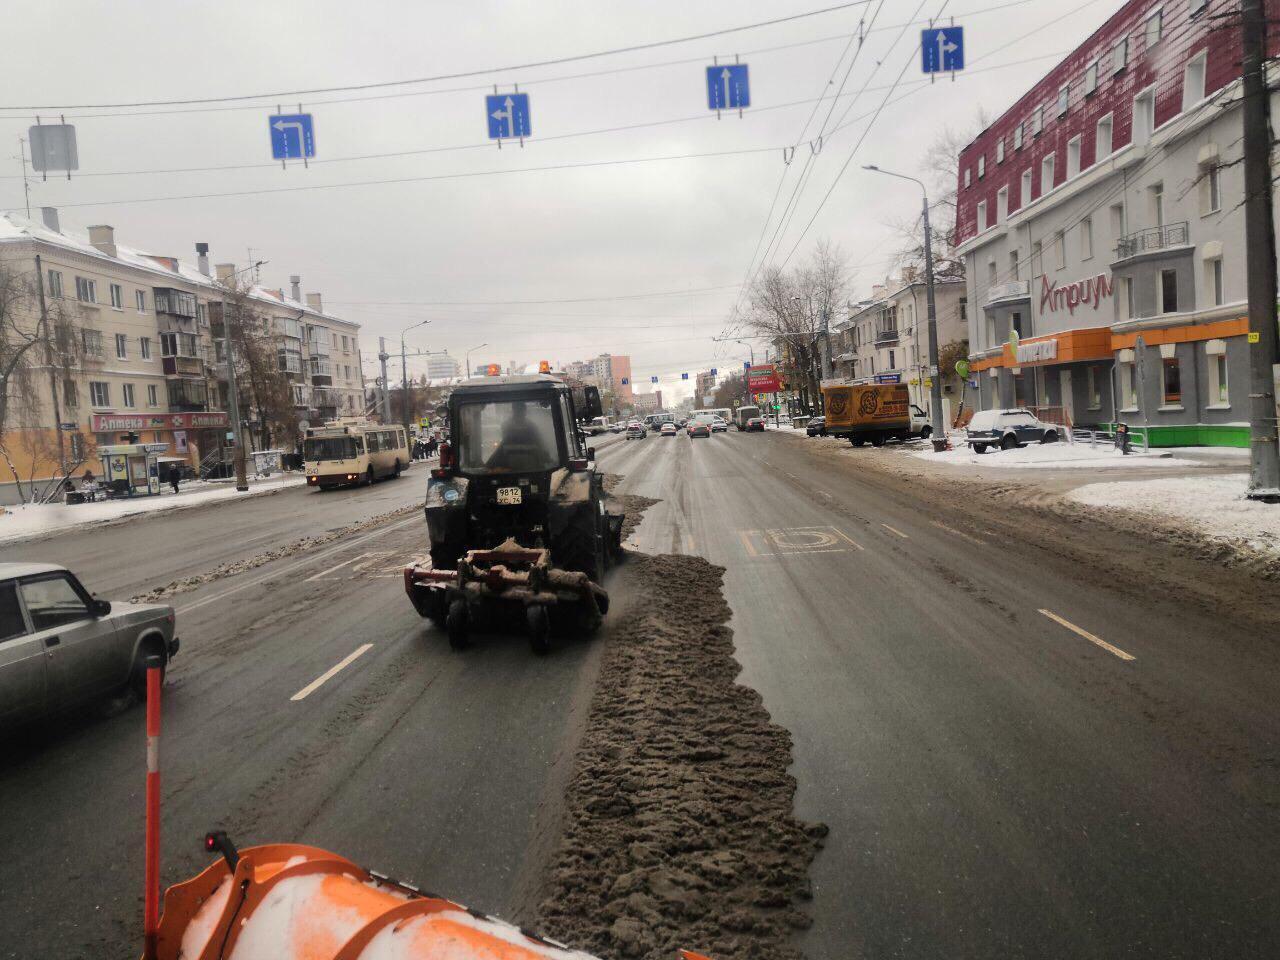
1107	438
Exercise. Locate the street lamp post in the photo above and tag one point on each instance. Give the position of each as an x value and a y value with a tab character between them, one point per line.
935	392
404	375
467	372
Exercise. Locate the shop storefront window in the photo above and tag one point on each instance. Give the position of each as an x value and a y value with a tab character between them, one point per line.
1172	373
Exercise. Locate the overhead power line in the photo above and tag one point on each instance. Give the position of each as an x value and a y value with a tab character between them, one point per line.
575	58
504	303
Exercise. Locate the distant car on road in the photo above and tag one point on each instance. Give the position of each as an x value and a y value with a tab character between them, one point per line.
635	430
618	427
1007	429
816	427
668	429
699	428
62	647
754	423
719	425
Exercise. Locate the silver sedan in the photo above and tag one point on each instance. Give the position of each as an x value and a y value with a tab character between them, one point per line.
61	647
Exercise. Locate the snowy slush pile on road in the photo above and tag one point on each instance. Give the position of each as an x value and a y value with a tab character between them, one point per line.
679	829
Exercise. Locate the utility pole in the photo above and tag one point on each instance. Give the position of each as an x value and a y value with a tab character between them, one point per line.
383	357
1260	253
53	372
404	388
935	375
233	399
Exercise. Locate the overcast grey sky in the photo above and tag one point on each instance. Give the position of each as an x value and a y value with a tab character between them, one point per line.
381	253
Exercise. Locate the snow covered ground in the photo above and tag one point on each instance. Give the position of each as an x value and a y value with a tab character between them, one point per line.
1055	456
29	521
1215	506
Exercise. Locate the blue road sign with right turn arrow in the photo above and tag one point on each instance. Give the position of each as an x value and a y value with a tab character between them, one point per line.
292	136
942	49
728	87
508	115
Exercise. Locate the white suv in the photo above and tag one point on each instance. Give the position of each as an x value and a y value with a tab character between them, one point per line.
1007	429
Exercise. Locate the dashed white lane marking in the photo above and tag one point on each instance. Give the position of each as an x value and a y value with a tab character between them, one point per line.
895	530
1088	636
325	573
844	536
959	533
332	672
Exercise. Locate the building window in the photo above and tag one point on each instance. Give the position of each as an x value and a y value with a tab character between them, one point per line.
1037	259
344	345
144	348
153	395
1017	137
1073	157
1210	190
117	296
1168	291
964	308
1219	394
99	393
1046	174
1013	264
968	178
1120	55
991	273
1026	186
982	166
1037	121
1091	78
1155	197
1172	378
991	330
202	312
1000	150
1064	98
1002	204
70	393
1193	81
1153	30
1144	115
1195	6
55	283
91	340
122	347
1128	385
1091	388
1117	220
126	391
1213	281
1086	238
1102	139
982	215
892	364
86	290
1015	322
1060	248
140	300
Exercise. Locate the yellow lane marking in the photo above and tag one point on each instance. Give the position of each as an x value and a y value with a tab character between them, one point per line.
959	533
895	530
1088	636
332	672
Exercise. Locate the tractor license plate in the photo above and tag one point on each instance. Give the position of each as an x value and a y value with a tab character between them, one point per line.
509	495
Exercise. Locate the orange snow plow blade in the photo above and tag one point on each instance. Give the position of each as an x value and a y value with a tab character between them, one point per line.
292	902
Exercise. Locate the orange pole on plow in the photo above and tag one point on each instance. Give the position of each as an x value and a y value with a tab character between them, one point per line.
151	898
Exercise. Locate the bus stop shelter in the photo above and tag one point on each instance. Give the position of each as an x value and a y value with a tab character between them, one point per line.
131	469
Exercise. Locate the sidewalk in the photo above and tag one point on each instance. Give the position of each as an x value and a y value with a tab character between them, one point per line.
32	521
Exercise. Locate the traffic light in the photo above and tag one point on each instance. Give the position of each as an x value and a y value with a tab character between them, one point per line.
544	366
493	370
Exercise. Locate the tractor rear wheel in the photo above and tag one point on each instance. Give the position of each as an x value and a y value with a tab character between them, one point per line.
579	548
456	625
539	629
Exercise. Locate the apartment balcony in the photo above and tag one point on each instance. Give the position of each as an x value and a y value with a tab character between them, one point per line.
322	397
1154	240
183	366
187	394
1010	292
886	337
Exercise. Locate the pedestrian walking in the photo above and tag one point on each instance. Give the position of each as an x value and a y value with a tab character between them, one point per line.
174	476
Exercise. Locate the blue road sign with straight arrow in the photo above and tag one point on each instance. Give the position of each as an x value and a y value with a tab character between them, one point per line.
728	87
653	379
508	115
942	49
292	136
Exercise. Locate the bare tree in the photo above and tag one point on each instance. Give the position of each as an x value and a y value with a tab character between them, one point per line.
264	387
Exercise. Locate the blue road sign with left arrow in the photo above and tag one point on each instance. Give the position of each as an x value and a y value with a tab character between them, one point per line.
728	87
684	376
713	371
942	49
292	136
508	115
653	379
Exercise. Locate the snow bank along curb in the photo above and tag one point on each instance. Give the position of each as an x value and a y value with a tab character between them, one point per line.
678	825
1053	456
1213	506
36	521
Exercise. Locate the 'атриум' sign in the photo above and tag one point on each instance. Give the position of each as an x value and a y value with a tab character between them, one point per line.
1071	295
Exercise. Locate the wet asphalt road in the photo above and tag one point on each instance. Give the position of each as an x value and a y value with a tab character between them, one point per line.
996	782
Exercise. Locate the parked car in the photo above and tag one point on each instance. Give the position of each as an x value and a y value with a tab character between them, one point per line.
754	423
668	429
816	427
618	427
635	430
1007	429
62	647
719	425
699	428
